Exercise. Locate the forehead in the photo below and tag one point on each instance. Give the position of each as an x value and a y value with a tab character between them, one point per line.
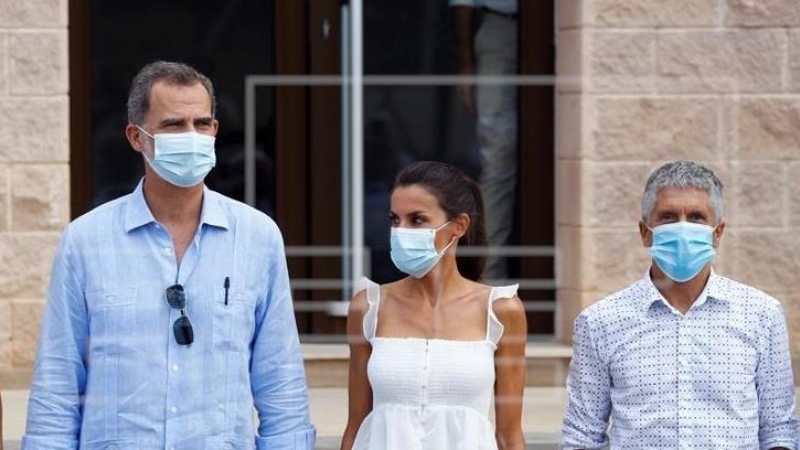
679	198
175	99
413	198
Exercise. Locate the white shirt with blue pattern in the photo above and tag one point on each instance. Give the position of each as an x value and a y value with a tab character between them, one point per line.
717	377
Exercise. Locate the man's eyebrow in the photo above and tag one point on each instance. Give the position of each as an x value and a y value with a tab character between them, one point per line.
172	121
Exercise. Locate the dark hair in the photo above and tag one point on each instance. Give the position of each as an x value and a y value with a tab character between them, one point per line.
172	72
457	194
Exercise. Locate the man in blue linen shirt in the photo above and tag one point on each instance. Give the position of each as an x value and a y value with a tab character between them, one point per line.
169	316
683	358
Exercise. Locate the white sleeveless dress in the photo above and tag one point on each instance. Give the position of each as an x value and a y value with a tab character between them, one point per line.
430	394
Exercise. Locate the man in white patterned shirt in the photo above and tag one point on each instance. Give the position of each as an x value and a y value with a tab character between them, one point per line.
683	358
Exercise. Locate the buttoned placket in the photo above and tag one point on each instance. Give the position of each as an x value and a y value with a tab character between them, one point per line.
685	350
175	352
425	381
171	406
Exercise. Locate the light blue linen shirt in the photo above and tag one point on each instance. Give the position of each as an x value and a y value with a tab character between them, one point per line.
109	373
717	377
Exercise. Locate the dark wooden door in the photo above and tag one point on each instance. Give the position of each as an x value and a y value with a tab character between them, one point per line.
309	152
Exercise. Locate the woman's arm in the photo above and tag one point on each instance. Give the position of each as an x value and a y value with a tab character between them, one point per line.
510	369
359	390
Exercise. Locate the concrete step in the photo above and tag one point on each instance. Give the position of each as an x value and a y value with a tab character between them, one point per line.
547	364
327	366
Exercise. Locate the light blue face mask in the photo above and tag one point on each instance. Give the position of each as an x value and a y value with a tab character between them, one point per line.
682	249
413	250
182	159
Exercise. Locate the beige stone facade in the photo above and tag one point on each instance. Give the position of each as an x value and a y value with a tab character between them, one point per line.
34	166
645	81
640	82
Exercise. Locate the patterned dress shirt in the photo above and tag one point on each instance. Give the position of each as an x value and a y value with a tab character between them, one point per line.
717	377
109	373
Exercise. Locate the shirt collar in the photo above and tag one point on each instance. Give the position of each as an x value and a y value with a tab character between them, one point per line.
213	213
712	291
138	213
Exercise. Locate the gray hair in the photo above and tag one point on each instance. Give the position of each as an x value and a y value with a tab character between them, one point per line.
173	73
682	174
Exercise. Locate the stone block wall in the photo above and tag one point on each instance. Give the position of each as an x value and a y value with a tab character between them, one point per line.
34	167
642	82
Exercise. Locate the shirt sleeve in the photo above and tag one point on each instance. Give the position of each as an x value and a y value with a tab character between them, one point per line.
277	375
778	425
59	378
588	390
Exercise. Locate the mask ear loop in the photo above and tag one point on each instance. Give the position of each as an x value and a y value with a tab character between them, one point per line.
145	132
455	238
154	146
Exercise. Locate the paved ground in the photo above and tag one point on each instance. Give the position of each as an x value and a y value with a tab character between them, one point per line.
543	411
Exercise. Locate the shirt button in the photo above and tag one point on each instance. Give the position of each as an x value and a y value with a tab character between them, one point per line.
168	250
175	368
174	410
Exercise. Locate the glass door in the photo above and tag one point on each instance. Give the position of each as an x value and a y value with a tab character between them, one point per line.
439	80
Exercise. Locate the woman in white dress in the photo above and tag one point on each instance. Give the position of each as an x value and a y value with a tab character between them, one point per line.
429	352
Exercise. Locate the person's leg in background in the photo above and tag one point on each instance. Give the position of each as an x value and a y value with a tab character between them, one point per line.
496	54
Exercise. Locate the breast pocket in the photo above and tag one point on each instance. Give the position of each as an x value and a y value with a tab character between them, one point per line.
112	325
234	322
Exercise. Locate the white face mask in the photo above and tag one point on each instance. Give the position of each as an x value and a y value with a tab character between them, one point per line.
414	249
182	159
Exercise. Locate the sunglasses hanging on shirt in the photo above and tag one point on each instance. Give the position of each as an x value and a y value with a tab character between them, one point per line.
182	328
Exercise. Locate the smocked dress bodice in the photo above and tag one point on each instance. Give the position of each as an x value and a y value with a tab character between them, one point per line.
430	393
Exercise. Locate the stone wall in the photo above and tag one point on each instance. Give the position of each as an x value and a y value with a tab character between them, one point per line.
641	82
646	81
34	166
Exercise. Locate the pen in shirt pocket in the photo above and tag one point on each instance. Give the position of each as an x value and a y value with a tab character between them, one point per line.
227	286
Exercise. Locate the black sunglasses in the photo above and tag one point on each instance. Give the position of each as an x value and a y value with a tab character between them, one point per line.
182	328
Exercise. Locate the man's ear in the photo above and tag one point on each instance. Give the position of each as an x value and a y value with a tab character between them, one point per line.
718	232
134	137
645	234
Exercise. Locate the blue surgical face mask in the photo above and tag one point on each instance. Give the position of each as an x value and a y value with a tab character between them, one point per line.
414	249
682	249
182	159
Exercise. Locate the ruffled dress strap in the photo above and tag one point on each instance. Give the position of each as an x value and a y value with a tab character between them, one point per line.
370	323
494	329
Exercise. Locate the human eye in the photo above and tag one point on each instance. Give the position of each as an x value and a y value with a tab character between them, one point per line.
667	217
203	124
697	217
